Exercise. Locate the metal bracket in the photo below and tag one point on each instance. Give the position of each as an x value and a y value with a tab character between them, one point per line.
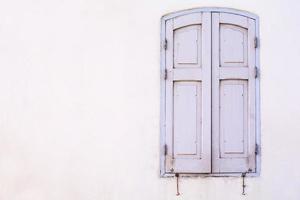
177	184
243	176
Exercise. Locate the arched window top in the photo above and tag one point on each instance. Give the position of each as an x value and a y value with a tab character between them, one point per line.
209	9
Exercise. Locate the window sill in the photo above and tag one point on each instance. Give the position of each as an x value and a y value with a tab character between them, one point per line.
170	175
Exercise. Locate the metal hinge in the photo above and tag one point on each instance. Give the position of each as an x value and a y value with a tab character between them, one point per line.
256	72
165	149
166	74
256	42
165	44
256	149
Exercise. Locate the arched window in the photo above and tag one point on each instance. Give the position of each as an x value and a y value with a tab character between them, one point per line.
209	91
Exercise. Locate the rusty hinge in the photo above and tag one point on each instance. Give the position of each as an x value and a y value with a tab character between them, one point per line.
166	74
165	149
165	44
256	72
256	149
256	42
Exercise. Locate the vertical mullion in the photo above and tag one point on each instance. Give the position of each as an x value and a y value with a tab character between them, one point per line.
215	91
206	89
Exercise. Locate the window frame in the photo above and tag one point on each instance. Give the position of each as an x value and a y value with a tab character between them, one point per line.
163	98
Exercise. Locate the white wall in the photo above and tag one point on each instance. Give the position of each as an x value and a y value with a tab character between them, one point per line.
79	104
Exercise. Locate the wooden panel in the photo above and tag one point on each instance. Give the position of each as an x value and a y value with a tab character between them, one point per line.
184	74
187	46
233	94
238	20
186	20
187	119
233	73
233	118
188	96
233	45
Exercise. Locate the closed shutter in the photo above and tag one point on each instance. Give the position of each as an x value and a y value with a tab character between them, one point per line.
233	93
209	92
188	94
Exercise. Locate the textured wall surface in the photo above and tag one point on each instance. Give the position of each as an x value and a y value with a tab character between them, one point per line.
79	104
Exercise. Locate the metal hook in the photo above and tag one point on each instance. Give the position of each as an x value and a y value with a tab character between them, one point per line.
243	176
177	184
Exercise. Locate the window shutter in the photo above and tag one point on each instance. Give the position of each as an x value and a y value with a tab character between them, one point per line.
188	94
233	93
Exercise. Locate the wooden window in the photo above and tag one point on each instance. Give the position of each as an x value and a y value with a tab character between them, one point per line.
209	106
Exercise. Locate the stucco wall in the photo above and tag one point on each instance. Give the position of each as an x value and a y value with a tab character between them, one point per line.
79	104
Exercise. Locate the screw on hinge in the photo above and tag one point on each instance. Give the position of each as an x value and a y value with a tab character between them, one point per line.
256	149
255	42
166	74
165	149
243	186
165	44
256	72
